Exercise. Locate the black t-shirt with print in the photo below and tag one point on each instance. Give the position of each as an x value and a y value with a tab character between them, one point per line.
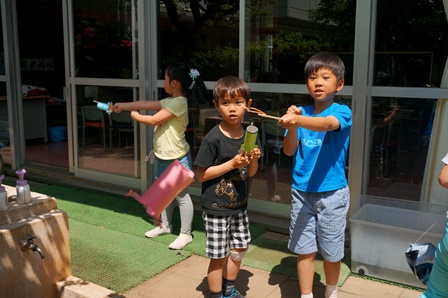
228	194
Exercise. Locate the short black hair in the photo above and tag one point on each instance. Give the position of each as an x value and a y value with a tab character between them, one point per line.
325	60
233	86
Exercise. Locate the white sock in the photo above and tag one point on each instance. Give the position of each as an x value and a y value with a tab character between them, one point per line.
310	295
331	291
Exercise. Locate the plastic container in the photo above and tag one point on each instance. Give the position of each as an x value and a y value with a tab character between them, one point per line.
23	188
380	236
57	133
3	195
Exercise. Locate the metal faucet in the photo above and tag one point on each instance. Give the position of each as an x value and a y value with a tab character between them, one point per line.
28	243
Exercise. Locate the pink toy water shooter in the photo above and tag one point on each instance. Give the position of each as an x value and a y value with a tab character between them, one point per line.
163	191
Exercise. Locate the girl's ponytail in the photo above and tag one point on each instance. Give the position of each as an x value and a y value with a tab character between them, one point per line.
186	76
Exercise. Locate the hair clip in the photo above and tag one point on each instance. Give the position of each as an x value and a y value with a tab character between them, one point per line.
194	73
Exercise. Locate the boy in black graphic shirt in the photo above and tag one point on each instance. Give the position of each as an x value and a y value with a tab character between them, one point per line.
224	175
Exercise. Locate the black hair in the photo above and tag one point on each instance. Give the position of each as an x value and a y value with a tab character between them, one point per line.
233	86
181	73
416	73
325	60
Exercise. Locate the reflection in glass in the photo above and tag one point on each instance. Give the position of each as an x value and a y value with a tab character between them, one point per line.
273	179
106	142
204	36
4	131
105	38
282	37
2	48
399	141
406	36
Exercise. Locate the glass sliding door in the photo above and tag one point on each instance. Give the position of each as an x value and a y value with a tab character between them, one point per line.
42	71
103	48
206	38
279	40
409	62
4	131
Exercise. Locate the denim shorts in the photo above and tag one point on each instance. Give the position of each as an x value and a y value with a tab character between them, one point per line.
318	223
162	164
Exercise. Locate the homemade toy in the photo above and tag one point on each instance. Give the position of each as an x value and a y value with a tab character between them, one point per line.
107	107
250	139
163	191
261	113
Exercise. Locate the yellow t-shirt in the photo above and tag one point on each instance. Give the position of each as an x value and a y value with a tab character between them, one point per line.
169	137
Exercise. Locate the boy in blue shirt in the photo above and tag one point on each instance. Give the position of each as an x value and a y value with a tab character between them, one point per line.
318	138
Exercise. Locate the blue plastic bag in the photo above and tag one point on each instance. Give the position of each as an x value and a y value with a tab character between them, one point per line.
420	257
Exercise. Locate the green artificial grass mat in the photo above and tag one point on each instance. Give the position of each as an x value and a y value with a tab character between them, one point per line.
116	260
124	214
107	241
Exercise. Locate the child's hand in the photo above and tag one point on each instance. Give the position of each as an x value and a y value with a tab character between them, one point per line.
290	120
294	110
241	160
255	154
117	107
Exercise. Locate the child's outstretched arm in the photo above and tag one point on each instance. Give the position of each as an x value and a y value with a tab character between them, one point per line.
137	105
205	174
160	117
294	118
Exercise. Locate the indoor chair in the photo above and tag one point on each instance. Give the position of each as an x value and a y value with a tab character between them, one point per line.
92	117
120	122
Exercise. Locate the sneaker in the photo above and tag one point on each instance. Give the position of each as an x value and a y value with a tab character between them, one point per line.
234	294
160	230
181	241
275	198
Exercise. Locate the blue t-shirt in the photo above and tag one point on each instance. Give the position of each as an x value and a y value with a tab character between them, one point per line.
321	157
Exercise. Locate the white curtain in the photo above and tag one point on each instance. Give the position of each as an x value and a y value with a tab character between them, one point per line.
432	192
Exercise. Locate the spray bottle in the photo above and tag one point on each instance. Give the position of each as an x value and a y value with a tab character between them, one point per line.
106	107
3	195
23	189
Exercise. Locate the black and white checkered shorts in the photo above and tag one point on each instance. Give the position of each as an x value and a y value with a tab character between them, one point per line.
224	232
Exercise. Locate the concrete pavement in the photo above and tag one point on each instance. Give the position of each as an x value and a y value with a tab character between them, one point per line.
188	279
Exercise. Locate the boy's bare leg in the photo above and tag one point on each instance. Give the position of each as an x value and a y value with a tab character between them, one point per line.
305	271
214	274
332	271
232	267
